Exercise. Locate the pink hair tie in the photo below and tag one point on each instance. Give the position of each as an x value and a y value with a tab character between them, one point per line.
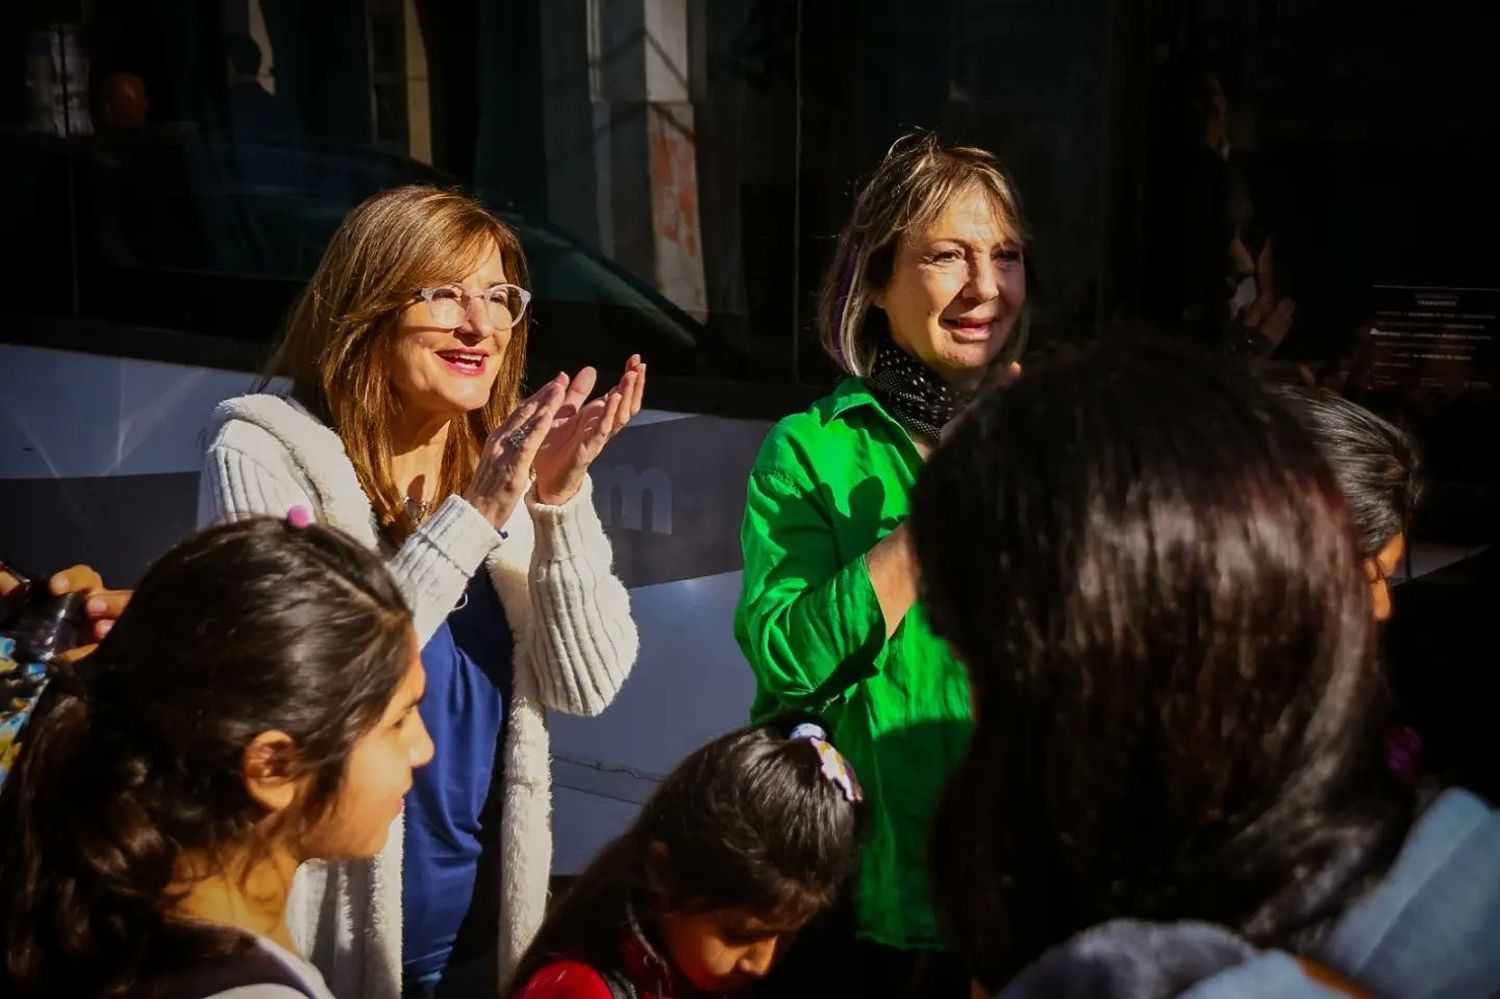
298	517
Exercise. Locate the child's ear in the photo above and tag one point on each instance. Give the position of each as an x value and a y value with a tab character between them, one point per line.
265	766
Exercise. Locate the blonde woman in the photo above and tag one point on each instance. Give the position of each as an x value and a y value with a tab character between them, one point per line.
404	427
924	296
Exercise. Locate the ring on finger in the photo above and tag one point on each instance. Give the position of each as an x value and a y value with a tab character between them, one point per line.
517	438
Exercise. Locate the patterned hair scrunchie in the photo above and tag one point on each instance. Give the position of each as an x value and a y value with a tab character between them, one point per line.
835	769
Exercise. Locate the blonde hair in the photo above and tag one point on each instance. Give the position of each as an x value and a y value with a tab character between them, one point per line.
911	187
338	344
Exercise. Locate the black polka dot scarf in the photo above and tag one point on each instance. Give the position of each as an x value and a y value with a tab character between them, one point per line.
912	392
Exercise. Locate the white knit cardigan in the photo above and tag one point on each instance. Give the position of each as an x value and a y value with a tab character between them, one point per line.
574	637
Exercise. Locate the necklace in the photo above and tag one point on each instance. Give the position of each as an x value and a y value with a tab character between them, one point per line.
417	510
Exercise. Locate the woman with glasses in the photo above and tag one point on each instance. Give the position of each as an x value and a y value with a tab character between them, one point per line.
404	427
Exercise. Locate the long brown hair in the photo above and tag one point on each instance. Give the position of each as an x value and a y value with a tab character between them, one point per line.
338	342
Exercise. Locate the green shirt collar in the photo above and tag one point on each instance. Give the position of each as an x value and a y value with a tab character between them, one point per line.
851	394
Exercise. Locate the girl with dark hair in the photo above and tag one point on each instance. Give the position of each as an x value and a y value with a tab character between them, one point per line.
254	707
1177	774
747	840
1378	467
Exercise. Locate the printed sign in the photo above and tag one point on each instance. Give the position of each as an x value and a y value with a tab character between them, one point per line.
1436	341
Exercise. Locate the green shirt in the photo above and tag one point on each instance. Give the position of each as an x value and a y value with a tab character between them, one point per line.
827	485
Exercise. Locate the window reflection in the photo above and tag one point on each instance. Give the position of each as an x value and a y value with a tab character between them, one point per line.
1218	171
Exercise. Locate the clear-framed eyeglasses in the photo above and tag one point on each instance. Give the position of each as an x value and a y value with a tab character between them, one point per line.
499	307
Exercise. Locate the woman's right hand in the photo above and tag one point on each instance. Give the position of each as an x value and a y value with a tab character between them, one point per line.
504	471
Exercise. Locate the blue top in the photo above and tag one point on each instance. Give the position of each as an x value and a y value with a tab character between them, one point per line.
1427	930
468	664
1432	926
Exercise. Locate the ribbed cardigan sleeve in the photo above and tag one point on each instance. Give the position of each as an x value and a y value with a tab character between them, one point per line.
583	641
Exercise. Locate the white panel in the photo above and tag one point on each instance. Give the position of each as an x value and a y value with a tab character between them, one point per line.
666	43
581	824
66	415
71	415
690	683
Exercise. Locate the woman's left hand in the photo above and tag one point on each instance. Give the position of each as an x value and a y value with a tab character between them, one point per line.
580	430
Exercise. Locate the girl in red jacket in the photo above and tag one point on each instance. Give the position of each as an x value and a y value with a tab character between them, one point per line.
739	848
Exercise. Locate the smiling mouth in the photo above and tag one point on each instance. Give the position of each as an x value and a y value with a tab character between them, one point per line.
466	362
970	329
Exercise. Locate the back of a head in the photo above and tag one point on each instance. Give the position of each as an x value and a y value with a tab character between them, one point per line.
135	757
748	821
1376	464
1151	576
751	820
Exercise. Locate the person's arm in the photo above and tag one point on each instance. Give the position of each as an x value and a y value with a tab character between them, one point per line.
811	624
248	471
892	564
583	640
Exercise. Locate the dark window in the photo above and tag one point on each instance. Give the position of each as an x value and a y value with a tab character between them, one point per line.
1256	176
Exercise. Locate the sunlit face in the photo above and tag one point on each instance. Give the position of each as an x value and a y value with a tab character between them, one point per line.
442	372
956	289
1378	571
377	776
724	948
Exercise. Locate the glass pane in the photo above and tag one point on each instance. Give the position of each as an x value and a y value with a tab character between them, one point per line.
678	171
